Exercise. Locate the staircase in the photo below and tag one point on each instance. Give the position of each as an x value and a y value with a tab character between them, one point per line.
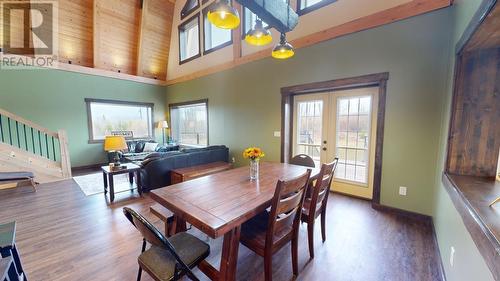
26	146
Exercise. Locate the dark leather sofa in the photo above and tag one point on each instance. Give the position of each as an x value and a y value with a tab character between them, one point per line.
156	168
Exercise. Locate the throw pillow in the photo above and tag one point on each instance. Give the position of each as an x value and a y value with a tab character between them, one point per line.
150	147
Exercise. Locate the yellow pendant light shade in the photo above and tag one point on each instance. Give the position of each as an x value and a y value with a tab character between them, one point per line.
283	50
258	36
223	15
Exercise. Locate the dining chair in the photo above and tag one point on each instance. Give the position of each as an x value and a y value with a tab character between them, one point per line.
167	259
268	232
303	160
315	203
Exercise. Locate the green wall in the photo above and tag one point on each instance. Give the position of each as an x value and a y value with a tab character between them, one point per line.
55	100
450	229
244	102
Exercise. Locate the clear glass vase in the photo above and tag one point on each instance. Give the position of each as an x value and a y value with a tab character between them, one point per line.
254	169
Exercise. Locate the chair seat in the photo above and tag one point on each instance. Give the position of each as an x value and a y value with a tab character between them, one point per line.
158	261
306	209
254	231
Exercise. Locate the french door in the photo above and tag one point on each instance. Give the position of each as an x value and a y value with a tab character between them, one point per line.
339	124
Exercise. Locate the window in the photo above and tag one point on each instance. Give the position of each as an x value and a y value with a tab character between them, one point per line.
214	37
249	21
353	138
189	122
306	6
189	39
106	116
189	7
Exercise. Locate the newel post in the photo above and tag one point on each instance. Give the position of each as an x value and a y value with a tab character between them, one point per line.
65	161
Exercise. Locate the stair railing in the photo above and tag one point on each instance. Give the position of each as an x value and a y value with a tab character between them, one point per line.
32	138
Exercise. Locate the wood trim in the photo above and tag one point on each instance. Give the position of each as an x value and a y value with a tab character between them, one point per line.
288	93
404	11
142	25
148	104
487	244
88	167
478	18
107	73
437	253
379	146
95	34
401	212
336	84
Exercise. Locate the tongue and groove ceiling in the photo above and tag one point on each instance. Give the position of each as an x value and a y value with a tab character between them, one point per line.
137	39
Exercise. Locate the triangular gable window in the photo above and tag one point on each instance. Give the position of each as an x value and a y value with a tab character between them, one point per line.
189	7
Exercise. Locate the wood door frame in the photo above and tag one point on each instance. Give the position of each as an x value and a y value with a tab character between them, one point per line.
371	80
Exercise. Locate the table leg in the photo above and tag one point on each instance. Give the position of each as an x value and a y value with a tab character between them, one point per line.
131	178
138	182
229	258
111	188
178	225
105	180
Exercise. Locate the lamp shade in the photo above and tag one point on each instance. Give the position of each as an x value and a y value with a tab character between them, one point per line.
162	125
258	36
223	15
283	50
114	143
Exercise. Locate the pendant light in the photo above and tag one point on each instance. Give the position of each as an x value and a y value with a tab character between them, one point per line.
223	15
283	50
258	36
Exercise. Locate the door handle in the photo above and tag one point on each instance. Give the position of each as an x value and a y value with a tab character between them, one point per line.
324	148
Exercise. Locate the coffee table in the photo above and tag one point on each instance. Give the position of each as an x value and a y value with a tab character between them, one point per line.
128	168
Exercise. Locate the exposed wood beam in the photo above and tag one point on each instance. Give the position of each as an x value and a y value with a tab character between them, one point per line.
95	32
407	10
142	25
237	34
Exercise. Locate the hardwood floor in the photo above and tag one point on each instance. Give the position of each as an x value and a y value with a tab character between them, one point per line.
64	235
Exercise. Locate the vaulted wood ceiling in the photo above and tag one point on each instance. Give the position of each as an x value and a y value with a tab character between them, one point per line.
126	36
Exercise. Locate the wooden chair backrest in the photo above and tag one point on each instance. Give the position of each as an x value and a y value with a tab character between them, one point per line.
319	193
287	204
303	160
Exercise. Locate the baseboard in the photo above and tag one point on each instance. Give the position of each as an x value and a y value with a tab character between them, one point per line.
401	212
88	167
441	272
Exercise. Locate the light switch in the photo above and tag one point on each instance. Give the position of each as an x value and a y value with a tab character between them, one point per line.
277	134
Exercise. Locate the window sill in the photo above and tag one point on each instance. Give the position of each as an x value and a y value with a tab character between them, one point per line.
471	197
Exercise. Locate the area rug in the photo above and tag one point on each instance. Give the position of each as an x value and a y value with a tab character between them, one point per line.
92	184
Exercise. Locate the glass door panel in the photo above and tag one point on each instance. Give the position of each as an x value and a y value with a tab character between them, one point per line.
309	112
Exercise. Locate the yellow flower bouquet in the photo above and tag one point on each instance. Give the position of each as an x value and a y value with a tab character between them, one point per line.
254	154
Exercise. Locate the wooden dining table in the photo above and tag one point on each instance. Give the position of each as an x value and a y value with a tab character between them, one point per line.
219	204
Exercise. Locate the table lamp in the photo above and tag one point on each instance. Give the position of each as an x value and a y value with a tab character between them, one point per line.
163	125
115	144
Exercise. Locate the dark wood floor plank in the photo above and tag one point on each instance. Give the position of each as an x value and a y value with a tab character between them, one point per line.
64	235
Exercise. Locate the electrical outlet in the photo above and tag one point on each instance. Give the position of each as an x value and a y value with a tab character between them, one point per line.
277	134
452	255
234	160
402	190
